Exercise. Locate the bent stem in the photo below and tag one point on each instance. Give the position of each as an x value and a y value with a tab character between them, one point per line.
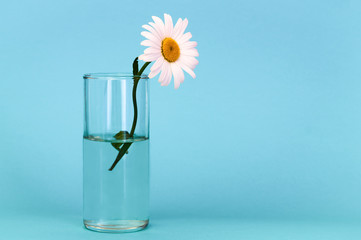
126	146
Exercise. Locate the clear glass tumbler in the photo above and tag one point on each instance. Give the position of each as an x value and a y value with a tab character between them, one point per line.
116	152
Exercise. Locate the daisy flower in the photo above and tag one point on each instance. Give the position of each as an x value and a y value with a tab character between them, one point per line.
170	48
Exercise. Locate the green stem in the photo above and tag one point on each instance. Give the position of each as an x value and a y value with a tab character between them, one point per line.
143	68
135	107
136	80
126	146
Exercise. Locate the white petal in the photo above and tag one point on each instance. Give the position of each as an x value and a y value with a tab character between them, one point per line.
176	28
181	73
168	76
164	74
189	44
157	64
182	29
150	36
149	57
177	74
189	61
184	38
154	72
190	52
159	23
149	43
158	29
176	83
187	69
168	26
151	50
152	31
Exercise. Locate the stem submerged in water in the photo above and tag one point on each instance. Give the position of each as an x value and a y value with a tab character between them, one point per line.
126	146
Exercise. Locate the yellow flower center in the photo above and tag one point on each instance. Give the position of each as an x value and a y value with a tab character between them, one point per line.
170	49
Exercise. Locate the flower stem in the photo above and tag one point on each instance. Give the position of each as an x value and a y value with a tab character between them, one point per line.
136	80
135	107
143	68
126	146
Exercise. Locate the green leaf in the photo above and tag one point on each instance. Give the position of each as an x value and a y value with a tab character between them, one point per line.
121	135
121	153
135	67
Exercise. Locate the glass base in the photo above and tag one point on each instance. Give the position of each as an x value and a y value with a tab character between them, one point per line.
116	226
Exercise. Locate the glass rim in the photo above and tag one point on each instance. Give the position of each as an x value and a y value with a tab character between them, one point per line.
113	76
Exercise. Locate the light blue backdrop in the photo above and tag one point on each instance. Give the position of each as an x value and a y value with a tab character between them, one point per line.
269	129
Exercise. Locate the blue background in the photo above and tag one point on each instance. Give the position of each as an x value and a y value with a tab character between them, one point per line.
263	144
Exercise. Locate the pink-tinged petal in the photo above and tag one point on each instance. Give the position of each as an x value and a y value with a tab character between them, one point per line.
148	28
149	43
158	29
188	45
190	52
176	28
157	64
168	76
164	73
181	73
168	25
149	57
152	31
159	24
188	70
151	50
154	72
184	38
150	36
182	29
141	57
177	74
189	61
176	83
